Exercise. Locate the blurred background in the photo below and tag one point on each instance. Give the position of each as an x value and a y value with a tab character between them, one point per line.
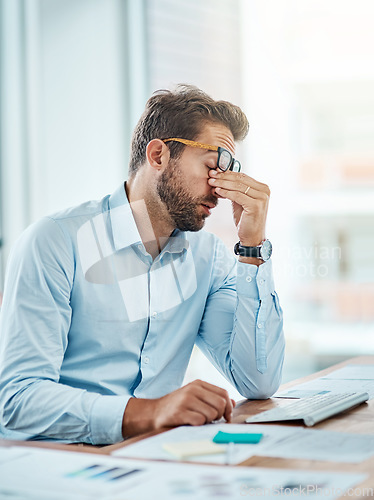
75	75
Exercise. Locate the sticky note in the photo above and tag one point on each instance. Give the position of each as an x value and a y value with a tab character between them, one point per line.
185	449
232	437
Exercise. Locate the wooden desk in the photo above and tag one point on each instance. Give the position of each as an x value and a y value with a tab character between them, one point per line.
357	420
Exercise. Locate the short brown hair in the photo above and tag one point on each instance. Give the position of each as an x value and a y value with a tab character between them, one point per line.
182	112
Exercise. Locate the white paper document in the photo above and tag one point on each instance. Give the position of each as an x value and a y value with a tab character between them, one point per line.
49	474
277	441
353	372
152	448
67	475
314	444
351	378
10	453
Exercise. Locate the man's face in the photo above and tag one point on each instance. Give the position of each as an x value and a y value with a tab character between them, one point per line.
183	186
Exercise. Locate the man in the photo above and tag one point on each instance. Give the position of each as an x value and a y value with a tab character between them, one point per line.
104	302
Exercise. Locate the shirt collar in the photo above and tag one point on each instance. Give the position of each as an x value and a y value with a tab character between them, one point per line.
124	228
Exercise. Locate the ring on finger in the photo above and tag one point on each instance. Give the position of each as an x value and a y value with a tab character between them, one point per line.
248	188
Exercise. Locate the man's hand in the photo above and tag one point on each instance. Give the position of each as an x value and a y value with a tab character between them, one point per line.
250	200
196	403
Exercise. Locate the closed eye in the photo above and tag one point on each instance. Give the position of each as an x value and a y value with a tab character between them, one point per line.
211	163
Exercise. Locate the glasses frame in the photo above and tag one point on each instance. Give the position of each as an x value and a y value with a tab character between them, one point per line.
209	147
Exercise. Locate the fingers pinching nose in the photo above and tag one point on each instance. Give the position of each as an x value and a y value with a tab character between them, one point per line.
248	188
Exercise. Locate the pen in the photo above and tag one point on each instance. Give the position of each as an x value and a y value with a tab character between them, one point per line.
229	452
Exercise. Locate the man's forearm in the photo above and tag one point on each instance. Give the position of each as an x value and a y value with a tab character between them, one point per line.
138	417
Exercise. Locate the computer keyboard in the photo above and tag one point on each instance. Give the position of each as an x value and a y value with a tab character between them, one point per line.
312	409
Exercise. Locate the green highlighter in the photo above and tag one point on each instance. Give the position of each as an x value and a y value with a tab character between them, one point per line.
232	437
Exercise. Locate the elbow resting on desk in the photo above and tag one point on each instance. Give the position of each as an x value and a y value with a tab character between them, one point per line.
263	388
261	385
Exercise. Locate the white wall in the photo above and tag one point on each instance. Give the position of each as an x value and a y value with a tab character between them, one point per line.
81	101
65	134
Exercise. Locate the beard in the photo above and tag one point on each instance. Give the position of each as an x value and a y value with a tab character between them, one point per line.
183	208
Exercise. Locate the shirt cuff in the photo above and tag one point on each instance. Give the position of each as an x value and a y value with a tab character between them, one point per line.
255	282
106	419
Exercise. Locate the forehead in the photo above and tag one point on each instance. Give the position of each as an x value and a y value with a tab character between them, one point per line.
217	134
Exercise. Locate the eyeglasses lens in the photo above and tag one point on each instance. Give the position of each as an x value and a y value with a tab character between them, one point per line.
225	159
236	166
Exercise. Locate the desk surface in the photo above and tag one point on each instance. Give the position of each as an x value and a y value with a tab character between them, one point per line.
358	420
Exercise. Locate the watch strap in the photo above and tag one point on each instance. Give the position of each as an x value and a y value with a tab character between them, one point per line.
247	251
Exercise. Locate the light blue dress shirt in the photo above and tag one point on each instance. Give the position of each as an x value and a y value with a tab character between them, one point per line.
89	320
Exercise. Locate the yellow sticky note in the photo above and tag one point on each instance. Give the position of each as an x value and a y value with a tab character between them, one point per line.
185	449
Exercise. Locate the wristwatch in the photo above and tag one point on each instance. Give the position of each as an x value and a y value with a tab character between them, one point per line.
262	251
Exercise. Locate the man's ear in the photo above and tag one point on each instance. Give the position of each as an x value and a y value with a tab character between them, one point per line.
158	154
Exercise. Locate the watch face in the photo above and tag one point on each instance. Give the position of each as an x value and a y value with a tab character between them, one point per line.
266	250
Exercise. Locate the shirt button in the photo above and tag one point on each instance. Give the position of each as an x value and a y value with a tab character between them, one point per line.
154	314
260	325
140	247
262	282
249	279
146	359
